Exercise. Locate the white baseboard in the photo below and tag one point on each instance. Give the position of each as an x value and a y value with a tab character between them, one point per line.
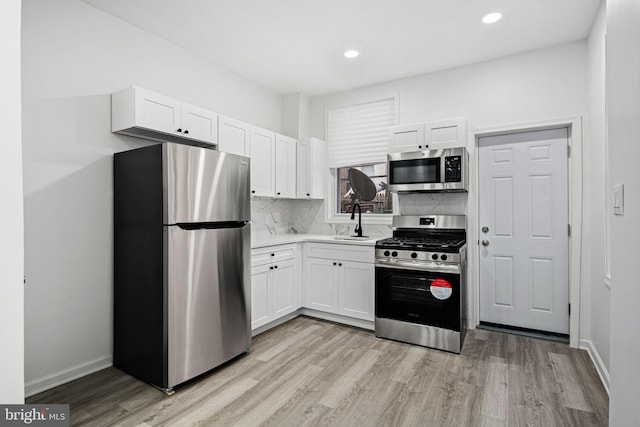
364	324
597	362
277	322
62	377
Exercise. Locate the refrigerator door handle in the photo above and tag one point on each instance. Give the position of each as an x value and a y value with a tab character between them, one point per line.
211	225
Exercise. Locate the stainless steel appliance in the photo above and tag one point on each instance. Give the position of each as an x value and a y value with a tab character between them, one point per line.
182	261
421	282
443	170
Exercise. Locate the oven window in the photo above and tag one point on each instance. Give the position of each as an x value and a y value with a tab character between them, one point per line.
416	171
414	296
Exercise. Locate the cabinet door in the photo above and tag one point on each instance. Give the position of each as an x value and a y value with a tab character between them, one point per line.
285	167
303	165
157	112
284	288
321	285
318	168
233	136
312	168
199	124
404	138
260	298
262	162
357	281
446	133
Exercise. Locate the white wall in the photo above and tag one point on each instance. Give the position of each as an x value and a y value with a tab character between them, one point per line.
533	86
11	243
74	56
596	291
623	115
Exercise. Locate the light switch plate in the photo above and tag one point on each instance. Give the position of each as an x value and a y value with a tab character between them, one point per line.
618	199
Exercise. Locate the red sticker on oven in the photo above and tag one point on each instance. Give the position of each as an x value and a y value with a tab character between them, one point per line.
441	289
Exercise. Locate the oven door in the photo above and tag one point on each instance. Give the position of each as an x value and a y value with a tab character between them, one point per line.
423	297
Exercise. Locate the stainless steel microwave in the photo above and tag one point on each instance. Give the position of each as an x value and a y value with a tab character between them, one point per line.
443	170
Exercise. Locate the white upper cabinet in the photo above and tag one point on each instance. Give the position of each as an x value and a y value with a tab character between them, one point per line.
311	168
285	166
404	138
432	135
263	152
448	133
234	136
142	113
199	124
273	164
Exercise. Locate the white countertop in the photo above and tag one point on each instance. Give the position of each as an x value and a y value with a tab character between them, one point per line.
283	239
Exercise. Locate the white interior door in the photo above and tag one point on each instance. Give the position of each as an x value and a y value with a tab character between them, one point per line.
524	216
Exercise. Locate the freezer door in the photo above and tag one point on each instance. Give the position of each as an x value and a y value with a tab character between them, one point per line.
204	185
208	289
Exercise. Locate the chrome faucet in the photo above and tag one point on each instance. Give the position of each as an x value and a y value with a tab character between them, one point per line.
358	229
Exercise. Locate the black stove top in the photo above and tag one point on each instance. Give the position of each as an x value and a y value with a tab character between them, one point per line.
432	242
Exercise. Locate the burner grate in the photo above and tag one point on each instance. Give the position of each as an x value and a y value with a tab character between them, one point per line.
439	243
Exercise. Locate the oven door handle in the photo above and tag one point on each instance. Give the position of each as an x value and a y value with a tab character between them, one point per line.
430	267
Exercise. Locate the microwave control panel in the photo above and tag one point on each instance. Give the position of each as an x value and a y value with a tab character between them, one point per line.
453	169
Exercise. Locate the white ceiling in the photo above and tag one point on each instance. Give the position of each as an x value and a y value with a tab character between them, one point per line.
294	46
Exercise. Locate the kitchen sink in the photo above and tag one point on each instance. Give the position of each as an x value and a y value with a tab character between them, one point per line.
352	238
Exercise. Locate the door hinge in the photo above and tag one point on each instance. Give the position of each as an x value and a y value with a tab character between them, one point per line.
569	309
569	229
568	151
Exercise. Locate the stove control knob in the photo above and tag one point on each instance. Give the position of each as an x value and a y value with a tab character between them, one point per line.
386	253
443	257
414	255
394	253
434	257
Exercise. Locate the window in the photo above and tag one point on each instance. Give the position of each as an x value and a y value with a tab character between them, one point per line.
381	204
357	137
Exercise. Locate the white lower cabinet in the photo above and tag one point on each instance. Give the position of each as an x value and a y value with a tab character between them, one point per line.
260	296
321	284
284	289
339	285
356	296
275	286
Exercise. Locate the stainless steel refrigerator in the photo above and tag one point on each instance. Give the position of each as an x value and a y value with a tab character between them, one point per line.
182	261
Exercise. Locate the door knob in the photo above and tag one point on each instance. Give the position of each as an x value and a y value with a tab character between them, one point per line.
485	243
485	229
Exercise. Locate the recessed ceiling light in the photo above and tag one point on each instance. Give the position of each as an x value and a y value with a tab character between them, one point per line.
351	53
491	18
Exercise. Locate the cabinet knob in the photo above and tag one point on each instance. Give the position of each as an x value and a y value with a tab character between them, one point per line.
335	263
179	129
186	131
271	268
253	191
419	146
273	254
339	264
278	194
308	194
275	266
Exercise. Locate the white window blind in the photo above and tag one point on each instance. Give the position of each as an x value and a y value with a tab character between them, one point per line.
357	134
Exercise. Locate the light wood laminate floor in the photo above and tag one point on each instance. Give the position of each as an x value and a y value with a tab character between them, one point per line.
311	372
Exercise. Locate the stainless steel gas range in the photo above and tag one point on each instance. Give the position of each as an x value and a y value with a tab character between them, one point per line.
421	281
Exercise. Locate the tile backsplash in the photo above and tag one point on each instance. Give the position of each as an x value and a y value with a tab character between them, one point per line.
433	203
285	216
